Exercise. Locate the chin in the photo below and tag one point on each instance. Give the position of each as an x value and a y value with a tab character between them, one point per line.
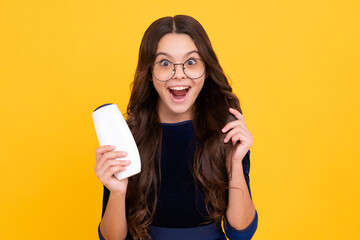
178	110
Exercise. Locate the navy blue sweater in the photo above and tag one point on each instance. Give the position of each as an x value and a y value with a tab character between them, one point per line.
179	204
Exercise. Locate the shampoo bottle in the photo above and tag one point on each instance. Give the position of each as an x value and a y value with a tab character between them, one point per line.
112	129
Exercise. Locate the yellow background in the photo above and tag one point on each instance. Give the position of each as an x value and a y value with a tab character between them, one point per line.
293	64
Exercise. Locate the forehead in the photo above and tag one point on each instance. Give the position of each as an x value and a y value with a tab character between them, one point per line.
176	45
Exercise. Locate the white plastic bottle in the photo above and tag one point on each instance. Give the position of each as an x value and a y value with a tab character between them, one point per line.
112	129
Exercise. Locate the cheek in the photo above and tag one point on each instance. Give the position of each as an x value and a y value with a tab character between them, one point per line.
159	87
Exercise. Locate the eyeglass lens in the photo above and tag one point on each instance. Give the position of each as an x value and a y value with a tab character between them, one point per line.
165	70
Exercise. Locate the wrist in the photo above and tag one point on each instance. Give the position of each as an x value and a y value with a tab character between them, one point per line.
237	177
117	194
236	166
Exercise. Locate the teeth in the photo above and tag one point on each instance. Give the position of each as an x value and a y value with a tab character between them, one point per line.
178	88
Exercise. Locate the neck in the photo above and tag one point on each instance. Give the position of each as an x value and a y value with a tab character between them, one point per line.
167	116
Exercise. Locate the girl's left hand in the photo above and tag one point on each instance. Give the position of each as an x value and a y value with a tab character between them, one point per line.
237	131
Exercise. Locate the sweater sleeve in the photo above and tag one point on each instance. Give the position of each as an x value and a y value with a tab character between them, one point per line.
244	234
100	235
104	204
247	233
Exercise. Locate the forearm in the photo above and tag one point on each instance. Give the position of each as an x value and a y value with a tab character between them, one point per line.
113	224
241	210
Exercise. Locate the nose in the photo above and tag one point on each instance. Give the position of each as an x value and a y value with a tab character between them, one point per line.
179	71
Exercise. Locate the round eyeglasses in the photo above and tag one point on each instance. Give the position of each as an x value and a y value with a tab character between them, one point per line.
164	70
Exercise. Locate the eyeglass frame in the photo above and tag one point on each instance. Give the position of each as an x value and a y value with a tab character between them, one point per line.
174	69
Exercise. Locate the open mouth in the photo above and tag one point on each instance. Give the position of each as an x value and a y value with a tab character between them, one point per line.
179	93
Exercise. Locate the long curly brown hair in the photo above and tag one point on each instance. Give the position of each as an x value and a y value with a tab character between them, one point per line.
211	160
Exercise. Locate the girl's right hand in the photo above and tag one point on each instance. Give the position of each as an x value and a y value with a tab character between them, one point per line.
106	166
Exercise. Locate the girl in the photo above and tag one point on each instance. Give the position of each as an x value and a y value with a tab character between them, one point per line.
193	143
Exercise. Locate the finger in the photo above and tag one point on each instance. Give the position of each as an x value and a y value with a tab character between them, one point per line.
114	154
244	138
234	124
243	132
107	175
236	113
111	155
230	134
231	125
100	169
235	138
111	163
246	141
111	171
101	150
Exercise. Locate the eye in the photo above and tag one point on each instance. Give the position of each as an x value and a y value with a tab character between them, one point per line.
165	63
191	61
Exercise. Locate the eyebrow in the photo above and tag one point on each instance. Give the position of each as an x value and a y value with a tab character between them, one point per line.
166	54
